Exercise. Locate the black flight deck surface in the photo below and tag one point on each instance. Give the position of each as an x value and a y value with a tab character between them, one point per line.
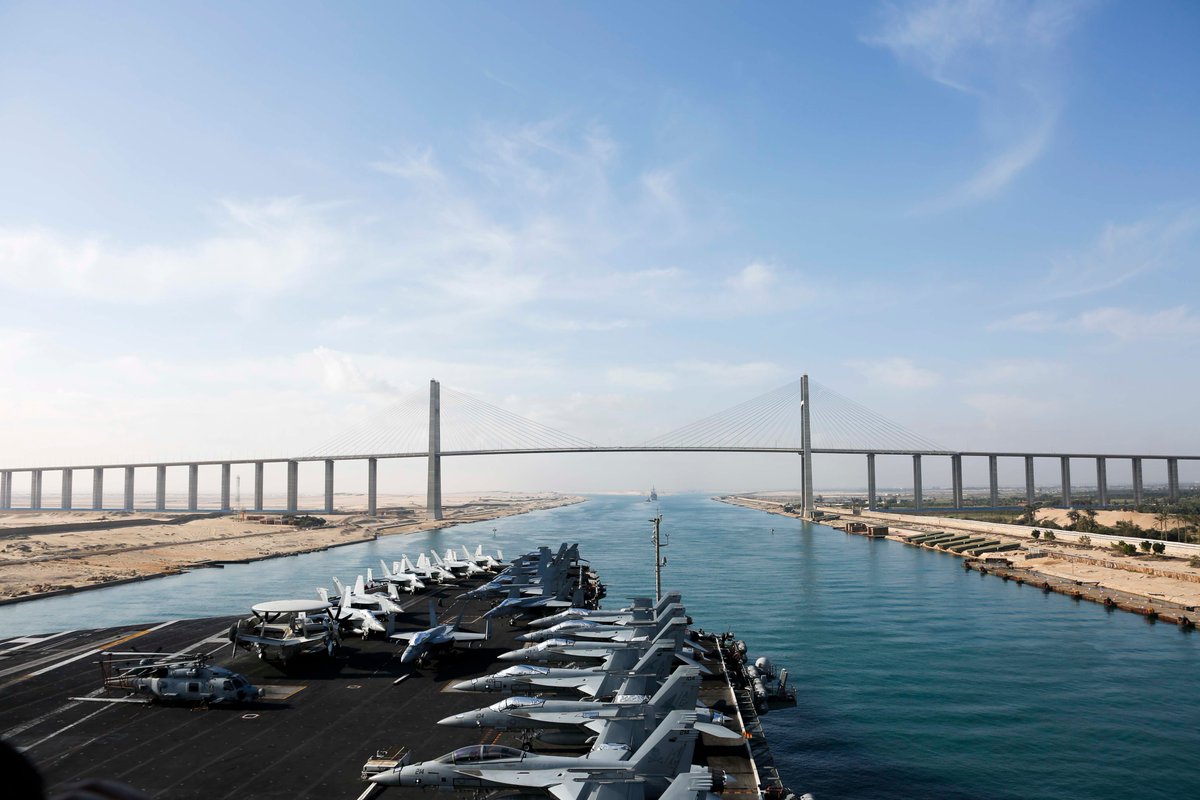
320	721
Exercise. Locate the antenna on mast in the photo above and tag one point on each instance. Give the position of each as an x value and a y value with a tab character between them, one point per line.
659	561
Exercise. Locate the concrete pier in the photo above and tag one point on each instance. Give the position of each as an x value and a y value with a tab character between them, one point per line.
6	490
97	488
433	497
918	501
372	485
35	489
160	487
993	481
1173	479
68	489
329	486
193	486
872	502
1137	481
956	480
293	483
128	505
225	471
1065	464
258	486
1030	487
1101	482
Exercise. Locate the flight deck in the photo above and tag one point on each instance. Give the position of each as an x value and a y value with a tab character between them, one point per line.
319	721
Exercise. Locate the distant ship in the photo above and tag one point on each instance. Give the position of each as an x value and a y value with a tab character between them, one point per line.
653	498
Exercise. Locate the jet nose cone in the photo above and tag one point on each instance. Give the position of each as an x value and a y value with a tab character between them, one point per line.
512	655
532	636
463	686
389	778
457	721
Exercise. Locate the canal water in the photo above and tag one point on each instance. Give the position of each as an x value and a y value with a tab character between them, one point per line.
915	678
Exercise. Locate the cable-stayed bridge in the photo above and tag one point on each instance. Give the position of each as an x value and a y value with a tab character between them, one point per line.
802	418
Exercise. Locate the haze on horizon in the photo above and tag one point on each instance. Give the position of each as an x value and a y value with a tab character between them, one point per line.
234	230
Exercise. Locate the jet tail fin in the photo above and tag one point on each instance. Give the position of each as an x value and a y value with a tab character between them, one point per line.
667	751
323	593
387	573
680	690
432	614
694	785
341	589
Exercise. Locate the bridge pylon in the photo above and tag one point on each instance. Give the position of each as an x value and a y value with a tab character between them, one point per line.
806	505
433	496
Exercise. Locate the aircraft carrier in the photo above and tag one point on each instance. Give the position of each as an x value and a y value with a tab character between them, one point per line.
317	724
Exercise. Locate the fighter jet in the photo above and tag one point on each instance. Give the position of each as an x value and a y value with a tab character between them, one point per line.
673	629
457	565
398	577
664	755
617	722
422	644
358	611
641	608
619	631
628	671
490	563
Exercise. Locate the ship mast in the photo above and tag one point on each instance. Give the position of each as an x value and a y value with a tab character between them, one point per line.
659	562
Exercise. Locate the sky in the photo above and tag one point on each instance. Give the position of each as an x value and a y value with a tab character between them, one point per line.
232	230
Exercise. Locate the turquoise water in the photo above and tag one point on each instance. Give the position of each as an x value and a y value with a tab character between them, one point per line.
915	678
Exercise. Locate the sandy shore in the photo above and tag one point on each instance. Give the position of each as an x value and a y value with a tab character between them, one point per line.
1155	578
86	549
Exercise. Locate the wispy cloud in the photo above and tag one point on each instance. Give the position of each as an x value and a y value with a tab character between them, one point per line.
266	247
1120	323
999	52
1123	252
897	372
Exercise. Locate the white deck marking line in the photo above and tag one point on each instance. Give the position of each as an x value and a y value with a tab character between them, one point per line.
87	653
24	726
83	719
26	641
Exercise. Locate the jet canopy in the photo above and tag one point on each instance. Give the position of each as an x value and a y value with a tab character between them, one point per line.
481	752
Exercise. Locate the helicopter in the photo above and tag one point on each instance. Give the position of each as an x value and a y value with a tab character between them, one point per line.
175	677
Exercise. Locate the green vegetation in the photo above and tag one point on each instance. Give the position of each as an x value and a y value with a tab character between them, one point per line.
1085	540
1037	534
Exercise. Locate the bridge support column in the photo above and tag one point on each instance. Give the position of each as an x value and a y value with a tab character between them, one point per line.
433	497
225	470
329	486
1137	481
6	490
372	485
97	488
807	506
871	499
68	490
128	489
993	481
918	502
1101	482
956	479
293	484
258	486
160	487
35	489
1030	487
193	486
1173	479
1066	480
